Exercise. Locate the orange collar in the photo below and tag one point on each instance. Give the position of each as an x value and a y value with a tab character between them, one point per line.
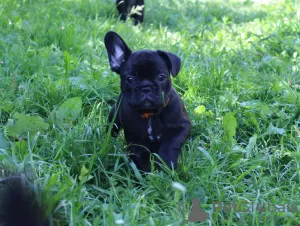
148	114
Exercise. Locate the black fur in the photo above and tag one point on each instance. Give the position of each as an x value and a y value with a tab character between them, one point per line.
18	204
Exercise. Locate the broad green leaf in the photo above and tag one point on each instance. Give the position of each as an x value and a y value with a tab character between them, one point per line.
24	124
20	147
251	144
70	109
275	62
264	110
3	142
229	125
272	130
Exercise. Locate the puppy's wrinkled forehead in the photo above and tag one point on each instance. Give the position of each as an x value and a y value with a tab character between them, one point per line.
146	63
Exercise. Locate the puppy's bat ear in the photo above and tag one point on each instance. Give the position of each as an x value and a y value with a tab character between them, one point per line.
172	61
117	50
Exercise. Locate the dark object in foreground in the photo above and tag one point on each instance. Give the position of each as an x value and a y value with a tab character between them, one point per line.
125	7
150	111
18	204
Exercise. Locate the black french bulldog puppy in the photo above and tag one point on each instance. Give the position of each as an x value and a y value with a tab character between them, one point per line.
125	6
149	110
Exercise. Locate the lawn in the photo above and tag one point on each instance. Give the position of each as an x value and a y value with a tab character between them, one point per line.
240	82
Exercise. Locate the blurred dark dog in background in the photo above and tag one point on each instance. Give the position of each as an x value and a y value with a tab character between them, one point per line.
19	204
132	8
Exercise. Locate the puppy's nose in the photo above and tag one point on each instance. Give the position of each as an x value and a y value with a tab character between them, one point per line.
146	89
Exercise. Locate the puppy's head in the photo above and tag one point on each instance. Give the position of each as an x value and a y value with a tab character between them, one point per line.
145	74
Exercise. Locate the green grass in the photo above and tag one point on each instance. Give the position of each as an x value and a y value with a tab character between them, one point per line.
240	60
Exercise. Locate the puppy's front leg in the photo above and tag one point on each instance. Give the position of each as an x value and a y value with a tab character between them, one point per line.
170	149
141	158
122	9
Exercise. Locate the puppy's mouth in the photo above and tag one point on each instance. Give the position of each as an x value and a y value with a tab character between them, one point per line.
147	103
146	106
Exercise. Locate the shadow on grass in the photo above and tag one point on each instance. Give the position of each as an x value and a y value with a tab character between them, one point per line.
199	12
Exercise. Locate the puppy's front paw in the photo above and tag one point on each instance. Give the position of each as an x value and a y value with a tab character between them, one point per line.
169	156
141	158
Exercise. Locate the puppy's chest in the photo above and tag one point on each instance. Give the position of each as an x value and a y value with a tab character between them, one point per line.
154	129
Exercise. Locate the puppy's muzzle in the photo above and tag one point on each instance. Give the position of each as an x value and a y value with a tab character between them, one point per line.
145	89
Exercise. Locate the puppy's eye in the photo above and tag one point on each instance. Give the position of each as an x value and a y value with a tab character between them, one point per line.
161	77
129	79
